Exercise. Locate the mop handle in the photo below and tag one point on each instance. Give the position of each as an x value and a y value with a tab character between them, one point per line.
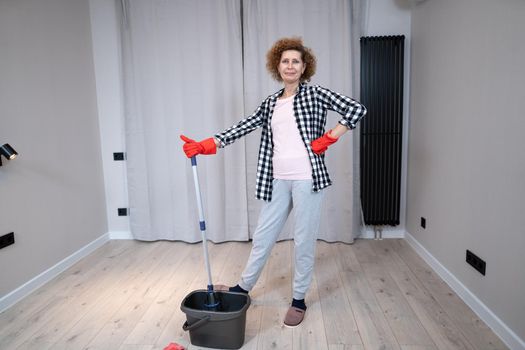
202	223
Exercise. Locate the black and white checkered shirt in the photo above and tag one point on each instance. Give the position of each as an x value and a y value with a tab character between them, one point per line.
310	105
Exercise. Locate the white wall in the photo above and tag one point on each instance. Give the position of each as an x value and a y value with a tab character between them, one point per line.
52	195
106	53
392	17
466	146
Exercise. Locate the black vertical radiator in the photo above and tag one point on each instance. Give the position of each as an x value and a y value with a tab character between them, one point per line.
381	129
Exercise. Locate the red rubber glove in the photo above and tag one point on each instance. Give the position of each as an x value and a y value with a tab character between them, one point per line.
192	147
321	144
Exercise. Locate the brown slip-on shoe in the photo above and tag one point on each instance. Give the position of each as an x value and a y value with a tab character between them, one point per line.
294	316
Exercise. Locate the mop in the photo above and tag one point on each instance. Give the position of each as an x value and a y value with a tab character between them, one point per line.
214	319
212	303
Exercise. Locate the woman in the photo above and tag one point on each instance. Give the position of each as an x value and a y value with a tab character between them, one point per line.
291	171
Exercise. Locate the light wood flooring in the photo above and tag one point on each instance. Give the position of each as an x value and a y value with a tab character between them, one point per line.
127	295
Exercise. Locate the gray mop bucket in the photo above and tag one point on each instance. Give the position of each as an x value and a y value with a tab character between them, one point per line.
221	329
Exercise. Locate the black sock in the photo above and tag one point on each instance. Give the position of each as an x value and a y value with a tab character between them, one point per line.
238	289
299	304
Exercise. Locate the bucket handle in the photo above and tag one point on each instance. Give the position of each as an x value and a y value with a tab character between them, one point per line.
202	321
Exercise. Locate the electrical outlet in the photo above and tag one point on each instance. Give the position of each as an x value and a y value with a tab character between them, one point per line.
122	211
7	240
423	222
476	262
119	156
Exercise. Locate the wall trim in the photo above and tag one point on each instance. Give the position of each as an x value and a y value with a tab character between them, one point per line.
27	288
120	235
511	339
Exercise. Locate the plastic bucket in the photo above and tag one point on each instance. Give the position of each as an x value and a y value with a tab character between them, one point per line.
222	328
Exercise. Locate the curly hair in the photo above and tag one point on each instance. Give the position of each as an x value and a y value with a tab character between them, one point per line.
273	57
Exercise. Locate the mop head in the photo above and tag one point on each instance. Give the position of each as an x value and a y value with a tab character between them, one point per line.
212	300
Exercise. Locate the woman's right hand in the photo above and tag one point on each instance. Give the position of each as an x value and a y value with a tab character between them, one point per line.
192	147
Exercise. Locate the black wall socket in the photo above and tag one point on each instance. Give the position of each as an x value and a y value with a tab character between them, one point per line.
119	156
423	222
7	240
122	211
476	262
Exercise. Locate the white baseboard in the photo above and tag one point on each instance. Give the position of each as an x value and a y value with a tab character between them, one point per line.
511	339
27	288
120	235
367	232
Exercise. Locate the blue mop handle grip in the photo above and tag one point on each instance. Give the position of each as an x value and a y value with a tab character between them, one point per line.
194	161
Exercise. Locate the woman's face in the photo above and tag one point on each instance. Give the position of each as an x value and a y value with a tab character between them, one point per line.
291	66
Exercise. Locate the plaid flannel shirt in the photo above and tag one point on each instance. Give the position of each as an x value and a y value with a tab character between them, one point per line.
310	105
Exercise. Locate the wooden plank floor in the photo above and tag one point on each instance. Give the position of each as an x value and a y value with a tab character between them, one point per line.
127	295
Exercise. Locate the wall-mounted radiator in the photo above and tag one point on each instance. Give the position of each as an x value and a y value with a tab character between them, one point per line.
381	129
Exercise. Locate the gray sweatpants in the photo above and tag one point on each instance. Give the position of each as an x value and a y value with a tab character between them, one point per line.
307	204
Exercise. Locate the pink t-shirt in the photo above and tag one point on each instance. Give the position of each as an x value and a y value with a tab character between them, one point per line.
290	157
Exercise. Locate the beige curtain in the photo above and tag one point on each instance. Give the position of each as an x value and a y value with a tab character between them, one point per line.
197	67
183	75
